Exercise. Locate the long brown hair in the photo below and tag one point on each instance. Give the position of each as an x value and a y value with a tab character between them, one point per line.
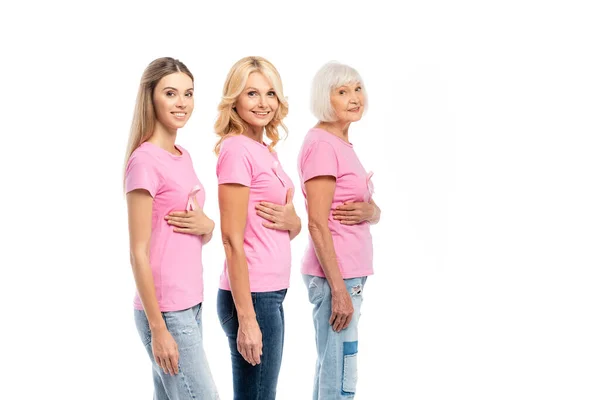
144	118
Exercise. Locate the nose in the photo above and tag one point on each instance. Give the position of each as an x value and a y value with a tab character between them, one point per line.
262	101
181	102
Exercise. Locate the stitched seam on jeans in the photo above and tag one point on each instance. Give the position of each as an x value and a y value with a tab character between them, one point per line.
185	383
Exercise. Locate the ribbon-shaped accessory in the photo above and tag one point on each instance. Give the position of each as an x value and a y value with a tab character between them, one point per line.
191	205
275	171
370	187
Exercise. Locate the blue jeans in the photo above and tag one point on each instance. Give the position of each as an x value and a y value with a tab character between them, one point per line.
336	370
194	380
255	382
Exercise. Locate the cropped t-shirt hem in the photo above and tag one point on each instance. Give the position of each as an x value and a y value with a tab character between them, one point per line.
173	307
260	289
345	275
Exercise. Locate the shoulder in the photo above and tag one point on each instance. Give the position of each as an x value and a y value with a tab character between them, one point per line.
234	144
144	154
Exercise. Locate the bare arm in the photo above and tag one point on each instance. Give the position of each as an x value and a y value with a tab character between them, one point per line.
319	196
233	205
139	208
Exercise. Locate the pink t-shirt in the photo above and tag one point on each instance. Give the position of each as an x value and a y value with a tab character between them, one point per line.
268	252
175	258
324	154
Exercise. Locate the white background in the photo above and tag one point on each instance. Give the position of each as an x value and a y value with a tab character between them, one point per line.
483	133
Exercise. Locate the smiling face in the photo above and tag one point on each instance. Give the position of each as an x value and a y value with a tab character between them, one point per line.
257	103
173	100
348	102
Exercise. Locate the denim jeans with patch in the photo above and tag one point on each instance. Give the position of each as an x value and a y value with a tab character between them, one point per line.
336	369
257	382
194	380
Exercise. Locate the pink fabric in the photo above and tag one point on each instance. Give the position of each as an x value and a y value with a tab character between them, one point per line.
324	154
246	162
175	258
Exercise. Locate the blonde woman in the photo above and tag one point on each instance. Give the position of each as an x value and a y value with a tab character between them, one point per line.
338	192
167	229
258	221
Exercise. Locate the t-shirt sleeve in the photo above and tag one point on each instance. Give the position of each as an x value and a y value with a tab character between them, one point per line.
141	173
318	159
233	165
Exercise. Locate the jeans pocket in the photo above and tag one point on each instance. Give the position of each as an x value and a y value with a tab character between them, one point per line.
225	306
350	369
143	328
315	289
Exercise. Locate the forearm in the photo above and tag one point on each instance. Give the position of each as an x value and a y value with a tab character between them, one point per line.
325	251
239	281
144	282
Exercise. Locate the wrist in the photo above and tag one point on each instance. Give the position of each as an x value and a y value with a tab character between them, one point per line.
373	216
246	319
157	327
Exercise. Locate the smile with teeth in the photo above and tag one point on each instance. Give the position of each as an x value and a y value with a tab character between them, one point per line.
179	114
261	114
354	109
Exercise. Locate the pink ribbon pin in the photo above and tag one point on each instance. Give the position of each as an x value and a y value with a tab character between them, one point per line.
275	168
190	203
370	187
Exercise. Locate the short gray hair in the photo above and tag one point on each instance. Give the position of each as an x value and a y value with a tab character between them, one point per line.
330	76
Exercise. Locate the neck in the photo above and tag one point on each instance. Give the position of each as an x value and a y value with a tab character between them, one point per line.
164	138
255	133
337	128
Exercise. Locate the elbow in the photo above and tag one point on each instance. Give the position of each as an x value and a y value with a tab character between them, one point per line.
317	227
231	245
138	257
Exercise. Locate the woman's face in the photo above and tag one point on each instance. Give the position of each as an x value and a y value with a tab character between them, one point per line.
257	103
173	100
348	102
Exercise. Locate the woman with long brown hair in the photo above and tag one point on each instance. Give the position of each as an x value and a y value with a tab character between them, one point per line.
167	229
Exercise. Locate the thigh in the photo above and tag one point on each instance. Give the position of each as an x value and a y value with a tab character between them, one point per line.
194	379
269	313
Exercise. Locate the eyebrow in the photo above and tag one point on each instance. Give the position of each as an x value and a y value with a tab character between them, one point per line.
172	88
253	88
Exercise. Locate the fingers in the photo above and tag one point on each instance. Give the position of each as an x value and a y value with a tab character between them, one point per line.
267	216
345	212
349	206
178	214
251	353
172	364
256	353
340	321
180	222
184	230
161	364
288	196
169	364
271	225
269	208
348	218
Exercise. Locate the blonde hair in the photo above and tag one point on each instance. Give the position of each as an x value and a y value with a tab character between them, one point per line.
144	118
331	76
229	122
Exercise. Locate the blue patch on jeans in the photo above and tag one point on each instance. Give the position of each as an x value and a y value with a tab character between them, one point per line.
350	347
349	369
